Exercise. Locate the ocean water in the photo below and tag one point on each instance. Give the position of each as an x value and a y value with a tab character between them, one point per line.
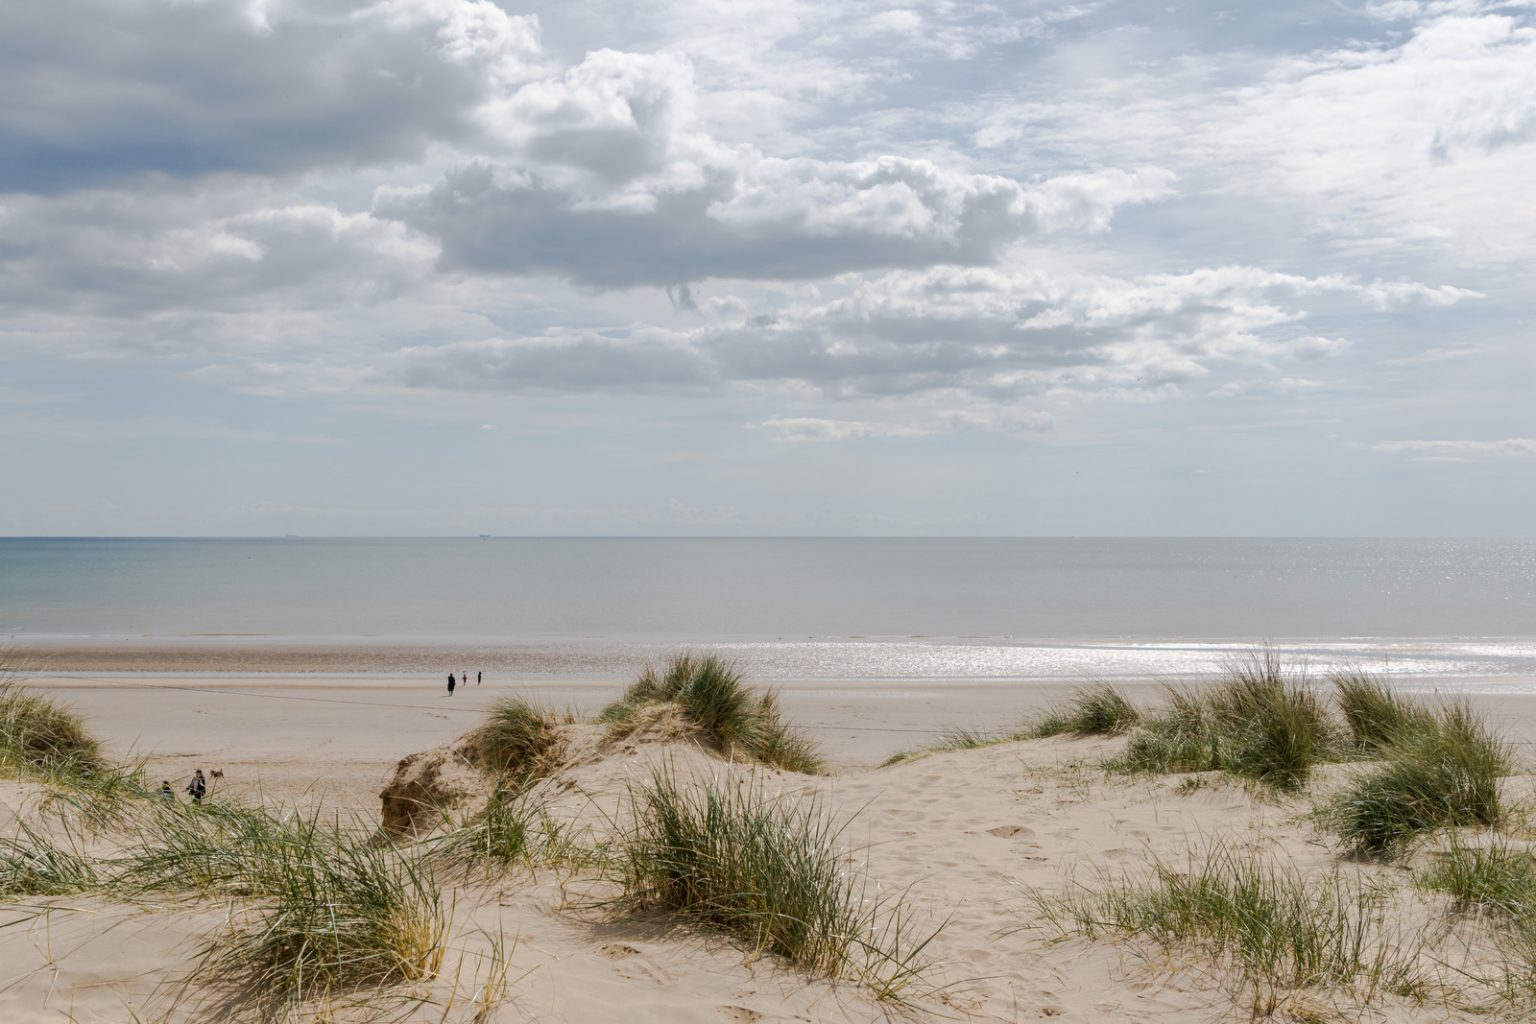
813	608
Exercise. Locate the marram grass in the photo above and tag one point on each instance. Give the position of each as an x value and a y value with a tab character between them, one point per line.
1260	722
1497	877
709	694
519	742
956	738
1376	716
771	871
40	738
35	864
1247	917
1097	710
1444	774
337	915
328	908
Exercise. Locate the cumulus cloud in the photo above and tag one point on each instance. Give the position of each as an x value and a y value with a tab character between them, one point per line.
1461	451
761	219
993	337
614	184
109	90
153	261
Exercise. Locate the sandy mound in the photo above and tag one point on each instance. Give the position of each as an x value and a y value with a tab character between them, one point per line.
429	784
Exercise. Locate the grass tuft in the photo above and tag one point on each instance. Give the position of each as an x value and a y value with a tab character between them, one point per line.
500	833
32	864
709	694
1261	723
1375	715
956	738
338	914
331	909
771	872
1241	911
1445	775
1498	877
519	742
40	738
1097	710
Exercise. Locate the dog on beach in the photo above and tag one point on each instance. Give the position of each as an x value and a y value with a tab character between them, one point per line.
216	773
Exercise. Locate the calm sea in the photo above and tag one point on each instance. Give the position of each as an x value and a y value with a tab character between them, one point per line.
813	608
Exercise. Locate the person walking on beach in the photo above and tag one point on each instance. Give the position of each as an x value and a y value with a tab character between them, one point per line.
198	786
165	792
451	684
477	677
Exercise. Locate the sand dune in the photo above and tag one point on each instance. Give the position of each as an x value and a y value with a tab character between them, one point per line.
960	838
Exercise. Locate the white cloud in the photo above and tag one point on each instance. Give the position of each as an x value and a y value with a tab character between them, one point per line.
1424	138
806	428
990	337
1461	451
766	219
114	91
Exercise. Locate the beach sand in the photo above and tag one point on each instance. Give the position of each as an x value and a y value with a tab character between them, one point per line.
958	836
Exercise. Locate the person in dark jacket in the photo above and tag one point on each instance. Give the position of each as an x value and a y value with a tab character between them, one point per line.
451	684
198	786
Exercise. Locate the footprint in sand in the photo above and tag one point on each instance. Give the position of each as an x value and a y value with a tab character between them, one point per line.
1009	831
632	964
617	951
739	1013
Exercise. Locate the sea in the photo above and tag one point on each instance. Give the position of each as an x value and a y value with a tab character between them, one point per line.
827	608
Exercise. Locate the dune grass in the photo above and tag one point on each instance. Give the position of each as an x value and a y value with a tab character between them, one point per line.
772	872
1261	722
1442	775
500	833
336	914
1097	710
34	864
330	908
1498	877
708	693
40	739
1496	880
519	743
1374	714
956	738
1248	916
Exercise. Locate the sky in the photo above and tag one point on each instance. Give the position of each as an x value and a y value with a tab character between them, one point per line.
767	267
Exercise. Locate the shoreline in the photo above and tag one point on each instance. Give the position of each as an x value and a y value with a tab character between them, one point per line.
832	659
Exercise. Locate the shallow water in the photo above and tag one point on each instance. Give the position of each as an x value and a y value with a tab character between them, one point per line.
819	608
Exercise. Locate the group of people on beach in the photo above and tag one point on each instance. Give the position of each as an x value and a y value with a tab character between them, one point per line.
197	788
454	682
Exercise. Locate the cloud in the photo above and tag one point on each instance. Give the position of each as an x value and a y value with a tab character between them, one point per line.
614	184
167	271
765	219
104	91
647	361
991	336
1461	451
1420	132
806	428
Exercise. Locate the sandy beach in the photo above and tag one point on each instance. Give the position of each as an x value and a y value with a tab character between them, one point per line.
962	836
